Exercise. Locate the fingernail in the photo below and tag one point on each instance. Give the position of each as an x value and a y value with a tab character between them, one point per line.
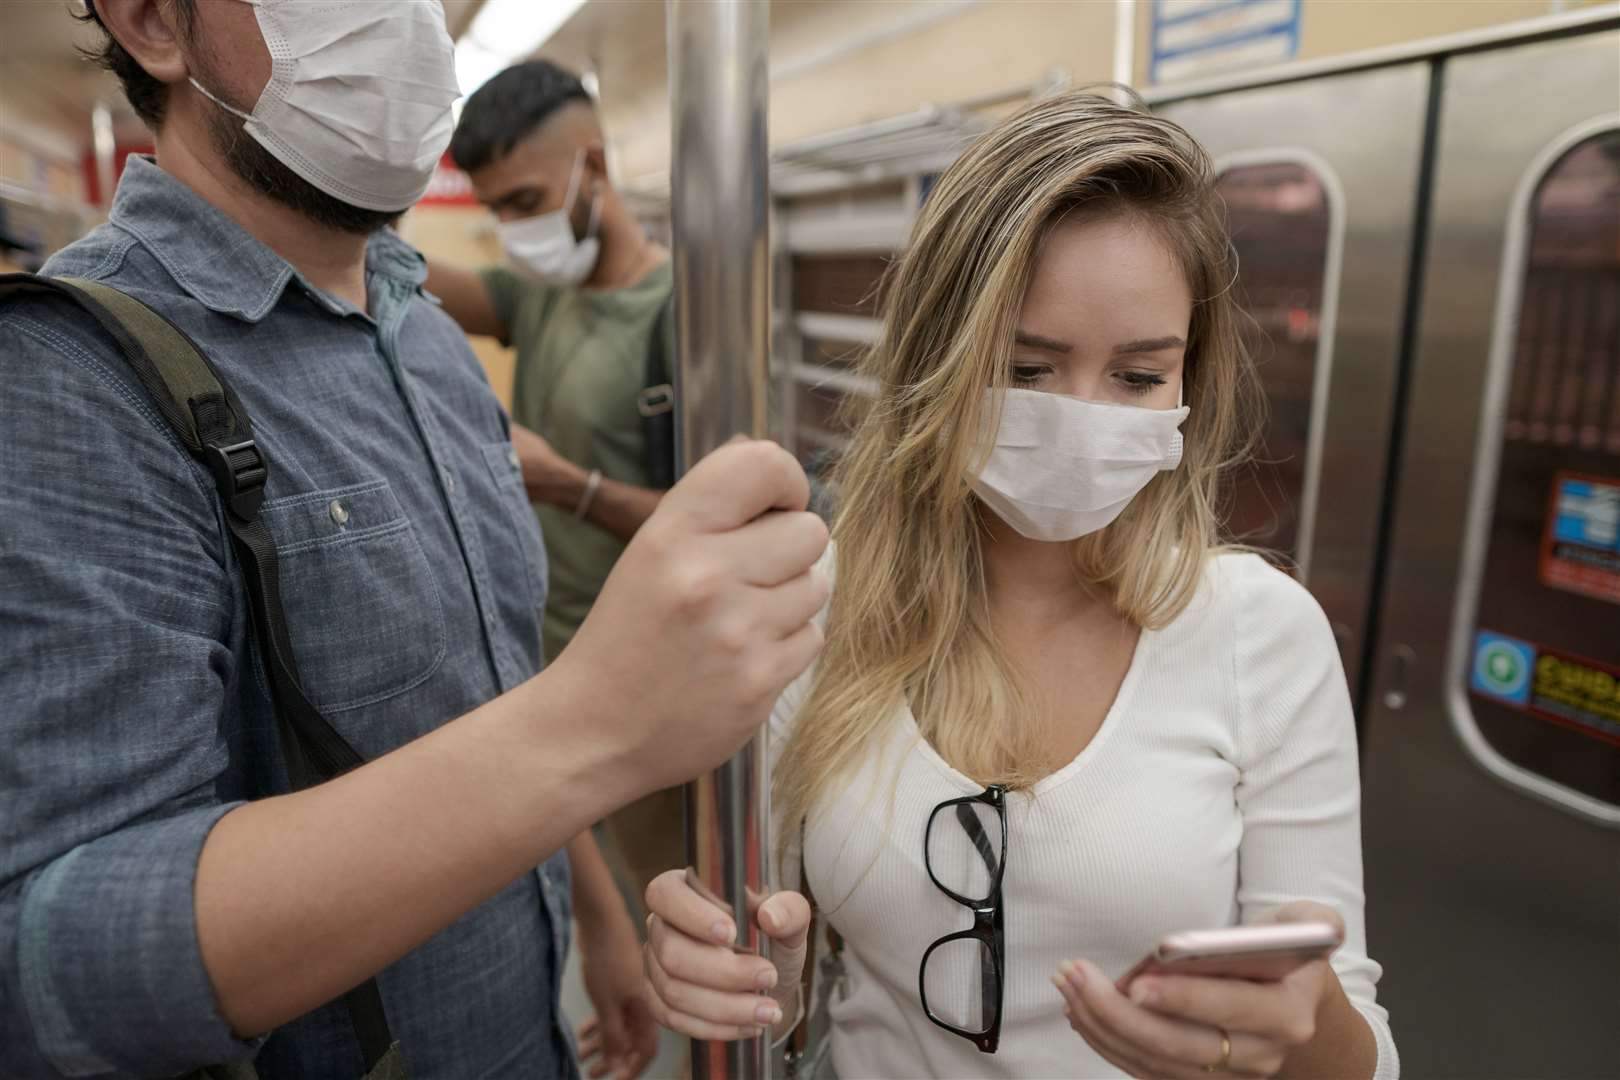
765	979
1076	974
1057	981
768	1013
767	921
722	932
1144	993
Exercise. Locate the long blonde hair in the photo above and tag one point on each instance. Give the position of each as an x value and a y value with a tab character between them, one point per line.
909	618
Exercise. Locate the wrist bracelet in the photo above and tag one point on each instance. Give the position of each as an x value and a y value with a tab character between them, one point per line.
592	483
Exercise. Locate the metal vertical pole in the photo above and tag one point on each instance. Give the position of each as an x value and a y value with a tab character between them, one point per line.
720	203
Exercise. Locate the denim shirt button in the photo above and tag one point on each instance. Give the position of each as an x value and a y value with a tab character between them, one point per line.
339	512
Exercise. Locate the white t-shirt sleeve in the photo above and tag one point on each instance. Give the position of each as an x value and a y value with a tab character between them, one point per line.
1300	792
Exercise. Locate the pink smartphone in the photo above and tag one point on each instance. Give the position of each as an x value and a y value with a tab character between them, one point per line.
1262	953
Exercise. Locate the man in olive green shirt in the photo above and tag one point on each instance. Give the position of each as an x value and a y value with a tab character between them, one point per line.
582	364
586	302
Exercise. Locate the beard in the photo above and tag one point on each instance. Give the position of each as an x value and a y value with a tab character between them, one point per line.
260	170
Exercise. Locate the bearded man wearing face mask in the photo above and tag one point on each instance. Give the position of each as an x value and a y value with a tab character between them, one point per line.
167	902
586	299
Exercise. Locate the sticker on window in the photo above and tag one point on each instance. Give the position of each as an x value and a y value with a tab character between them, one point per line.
1580	549
1547	683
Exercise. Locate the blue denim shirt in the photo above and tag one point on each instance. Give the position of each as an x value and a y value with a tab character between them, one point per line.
133	708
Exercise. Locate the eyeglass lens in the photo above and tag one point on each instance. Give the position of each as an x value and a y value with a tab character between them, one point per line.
964	849
963	991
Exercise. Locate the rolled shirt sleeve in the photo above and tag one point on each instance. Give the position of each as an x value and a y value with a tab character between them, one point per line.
116	609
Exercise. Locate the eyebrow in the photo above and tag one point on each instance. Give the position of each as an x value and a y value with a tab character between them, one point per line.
515	194
1149	345
1035	341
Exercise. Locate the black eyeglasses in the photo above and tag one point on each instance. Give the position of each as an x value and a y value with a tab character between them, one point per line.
960	978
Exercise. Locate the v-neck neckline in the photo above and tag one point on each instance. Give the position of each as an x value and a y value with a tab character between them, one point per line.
1111	720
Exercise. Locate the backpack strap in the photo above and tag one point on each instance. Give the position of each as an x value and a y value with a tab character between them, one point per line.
656	402
212	425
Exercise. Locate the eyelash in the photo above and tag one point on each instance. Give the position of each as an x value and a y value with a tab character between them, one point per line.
1140	382
1134	382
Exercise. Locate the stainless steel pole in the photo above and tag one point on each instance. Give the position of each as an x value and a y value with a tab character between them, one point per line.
720	199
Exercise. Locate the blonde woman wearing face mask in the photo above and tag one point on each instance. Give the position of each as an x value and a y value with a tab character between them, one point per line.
1032	614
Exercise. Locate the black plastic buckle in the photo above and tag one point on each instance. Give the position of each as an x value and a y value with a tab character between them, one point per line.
239	472
656	400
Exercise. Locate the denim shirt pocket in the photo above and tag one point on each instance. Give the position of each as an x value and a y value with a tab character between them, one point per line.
519	534
363	606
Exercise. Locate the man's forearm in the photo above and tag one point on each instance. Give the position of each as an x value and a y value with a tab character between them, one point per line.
303	896
619	508
465	298
597	901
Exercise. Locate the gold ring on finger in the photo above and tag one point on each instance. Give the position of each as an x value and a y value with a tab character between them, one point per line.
1226	1053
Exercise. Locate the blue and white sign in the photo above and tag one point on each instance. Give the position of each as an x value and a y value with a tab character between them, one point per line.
1192	38
1502	667
1587	512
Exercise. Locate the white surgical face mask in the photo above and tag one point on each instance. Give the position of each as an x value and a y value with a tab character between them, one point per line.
358	101
1062	467
545	246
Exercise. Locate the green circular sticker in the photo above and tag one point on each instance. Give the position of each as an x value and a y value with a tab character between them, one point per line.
1501	668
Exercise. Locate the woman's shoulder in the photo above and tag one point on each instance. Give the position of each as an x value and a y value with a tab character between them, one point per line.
1244	589
1245	611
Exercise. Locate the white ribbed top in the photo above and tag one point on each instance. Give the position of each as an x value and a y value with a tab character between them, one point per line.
1222	782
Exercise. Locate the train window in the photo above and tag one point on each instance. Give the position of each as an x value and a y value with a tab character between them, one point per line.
820	422
833	354
1542	679
838	284
1282	225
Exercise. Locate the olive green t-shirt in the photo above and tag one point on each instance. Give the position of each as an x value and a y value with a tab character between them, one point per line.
581	363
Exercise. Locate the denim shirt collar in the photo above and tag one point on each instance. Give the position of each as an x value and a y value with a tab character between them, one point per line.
216	261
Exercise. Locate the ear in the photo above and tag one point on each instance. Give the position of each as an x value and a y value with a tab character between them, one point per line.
149	31
596	162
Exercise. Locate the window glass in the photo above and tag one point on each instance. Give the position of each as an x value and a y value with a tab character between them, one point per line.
1544	676
1278	217
838	284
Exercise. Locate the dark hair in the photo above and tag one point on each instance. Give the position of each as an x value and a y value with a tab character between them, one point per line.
146	95
505	110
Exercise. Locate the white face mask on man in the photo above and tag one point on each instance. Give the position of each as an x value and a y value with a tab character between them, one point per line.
544	245
1063	467
359	97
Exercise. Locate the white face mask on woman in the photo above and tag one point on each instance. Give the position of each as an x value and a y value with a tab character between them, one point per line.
1063	467
359	97
544	245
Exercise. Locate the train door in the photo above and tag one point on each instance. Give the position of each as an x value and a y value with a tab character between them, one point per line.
1492	762
1319	179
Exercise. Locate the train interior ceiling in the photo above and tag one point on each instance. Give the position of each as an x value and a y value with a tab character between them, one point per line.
1425	201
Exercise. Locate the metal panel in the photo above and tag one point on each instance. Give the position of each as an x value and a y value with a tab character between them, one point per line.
1496	914
1362	134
